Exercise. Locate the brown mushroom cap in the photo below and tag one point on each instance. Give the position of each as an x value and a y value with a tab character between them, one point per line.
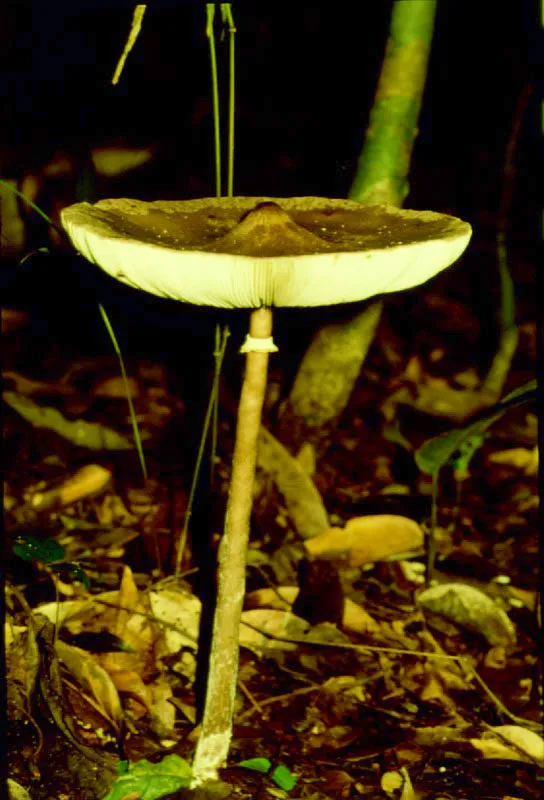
248	252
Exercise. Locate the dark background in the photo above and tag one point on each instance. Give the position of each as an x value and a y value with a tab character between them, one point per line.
306	76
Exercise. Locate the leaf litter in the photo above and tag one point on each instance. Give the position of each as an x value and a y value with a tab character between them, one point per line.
354	677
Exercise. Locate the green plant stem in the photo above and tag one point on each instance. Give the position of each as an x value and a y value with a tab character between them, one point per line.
509	334
33	206
210	16
219	354
133	420
228	20
431	538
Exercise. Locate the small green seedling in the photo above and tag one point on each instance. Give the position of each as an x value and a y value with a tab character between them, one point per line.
149	781
456	448
280	775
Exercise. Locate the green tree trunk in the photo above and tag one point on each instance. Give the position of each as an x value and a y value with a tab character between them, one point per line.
333	361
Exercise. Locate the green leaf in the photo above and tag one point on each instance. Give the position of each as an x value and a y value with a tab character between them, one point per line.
68	571
283	778
151	781
30	548
257	764
436	452
462	457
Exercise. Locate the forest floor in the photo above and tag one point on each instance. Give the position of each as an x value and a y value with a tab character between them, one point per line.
352	682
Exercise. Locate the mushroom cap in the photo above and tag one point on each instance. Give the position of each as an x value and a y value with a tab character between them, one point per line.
248	252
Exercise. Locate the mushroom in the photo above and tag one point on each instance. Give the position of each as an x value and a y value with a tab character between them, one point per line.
256	253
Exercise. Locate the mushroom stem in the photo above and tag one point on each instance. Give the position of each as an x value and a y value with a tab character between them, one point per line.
213	744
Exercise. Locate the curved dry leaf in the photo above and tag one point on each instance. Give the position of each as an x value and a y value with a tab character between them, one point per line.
22	662
281	597
273	622
354	619
132	683
91	435
132	625
94	679
302	499
470	608
180	609
519	741
88	481
163	712
364	540
116	387
16	791
357	620
518	457
74	611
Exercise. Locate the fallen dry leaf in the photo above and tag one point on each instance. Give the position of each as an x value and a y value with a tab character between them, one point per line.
131	683
357	620
522	458
274	622
93	679
86	482
354	619
180	609
302	499
29	386
470	608
115	387
368	539
13	319
163	713
283	597
511	742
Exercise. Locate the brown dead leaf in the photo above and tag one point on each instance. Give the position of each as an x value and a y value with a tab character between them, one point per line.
163	713
523	458
282	597
368	539
495	658
468	379
180	609
357	620
115	387
511	742
304	503
306	458
331	738
134	628
13	319
112	511
434	690
86	482
354	619
93	679
438	399
22	661
470	608
131	683
274	622
29	386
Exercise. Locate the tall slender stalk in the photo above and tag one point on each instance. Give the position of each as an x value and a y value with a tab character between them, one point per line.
210	17
213	744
